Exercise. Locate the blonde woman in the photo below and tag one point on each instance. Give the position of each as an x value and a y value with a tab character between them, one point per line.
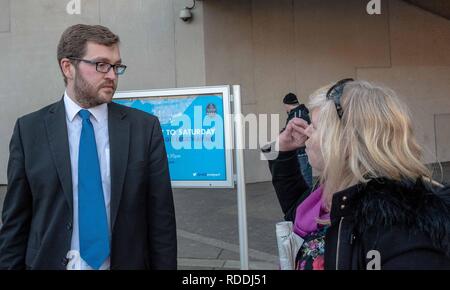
375	206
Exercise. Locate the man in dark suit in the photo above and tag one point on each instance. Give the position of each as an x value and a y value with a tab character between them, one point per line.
88	179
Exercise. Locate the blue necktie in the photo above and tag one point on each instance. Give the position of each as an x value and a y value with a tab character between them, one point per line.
92	219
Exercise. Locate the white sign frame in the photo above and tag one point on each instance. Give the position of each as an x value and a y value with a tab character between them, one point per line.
224	91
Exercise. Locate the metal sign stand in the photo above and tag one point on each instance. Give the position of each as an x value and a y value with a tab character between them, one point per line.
240	177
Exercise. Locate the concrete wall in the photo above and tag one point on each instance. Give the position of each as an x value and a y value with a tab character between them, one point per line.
273	47
160	50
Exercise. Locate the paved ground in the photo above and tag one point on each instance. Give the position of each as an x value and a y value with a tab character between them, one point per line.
208	232
208	227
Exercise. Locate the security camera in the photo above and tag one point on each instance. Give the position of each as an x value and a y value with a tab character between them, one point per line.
186	14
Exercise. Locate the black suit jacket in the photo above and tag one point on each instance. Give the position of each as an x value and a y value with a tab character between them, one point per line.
38	207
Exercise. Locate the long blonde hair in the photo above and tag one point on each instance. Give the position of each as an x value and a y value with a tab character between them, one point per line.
374	138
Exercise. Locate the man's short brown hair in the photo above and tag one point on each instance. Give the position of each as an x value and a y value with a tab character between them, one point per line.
74	39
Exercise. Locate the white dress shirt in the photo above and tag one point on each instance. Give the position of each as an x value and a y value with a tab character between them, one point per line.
99	120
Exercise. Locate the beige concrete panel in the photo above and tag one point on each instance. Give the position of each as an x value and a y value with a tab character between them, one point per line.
431	133
425	83
146	29
229	59
274	54
425	90
418	37
334	37
5	50
6	119
423	124
189	46
4	15
228	45
30	74
31	71
442	127
256	170
48	16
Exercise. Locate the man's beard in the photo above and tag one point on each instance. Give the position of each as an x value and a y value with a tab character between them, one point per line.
87	95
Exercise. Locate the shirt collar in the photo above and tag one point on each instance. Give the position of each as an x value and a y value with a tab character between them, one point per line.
100	112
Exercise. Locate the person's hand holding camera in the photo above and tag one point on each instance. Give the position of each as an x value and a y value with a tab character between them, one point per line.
293	137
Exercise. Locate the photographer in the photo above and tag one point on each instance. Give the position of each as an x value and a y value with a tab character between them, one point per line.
296	110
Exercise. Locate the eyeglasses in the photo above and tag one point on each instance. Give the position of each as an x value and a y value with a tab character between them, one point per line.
104	67
335	94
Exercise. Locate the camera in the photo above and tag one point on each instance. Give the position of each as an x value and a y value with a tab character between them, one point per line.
186	15
298	113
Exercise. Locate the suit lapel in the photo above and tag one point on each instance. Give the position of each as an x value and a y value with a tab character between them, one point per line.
119	139
56	126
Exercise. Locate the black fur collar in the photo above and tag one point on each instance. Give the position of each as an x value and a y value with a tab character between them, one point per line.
385	202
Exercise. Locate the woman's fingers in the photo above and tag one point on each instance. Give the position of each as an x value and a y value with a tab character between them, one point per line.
299	122
298	126
293	136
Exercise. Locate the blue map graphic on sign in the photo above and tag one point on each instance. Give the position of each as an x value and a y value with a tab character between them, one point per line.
193	130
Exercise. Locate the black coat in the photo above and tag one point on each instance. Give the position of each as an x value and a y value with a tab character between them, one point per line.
407	223
38	208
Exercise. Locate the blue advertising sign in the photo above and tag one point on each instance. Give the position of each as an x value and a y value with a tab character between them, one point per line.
194	130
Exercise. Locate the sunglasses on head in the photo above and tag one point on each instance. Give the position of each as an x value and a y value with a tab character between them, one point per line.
335	94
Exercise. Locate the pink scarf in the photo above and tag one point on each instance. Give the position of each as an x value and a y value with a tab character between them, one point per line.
311	209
